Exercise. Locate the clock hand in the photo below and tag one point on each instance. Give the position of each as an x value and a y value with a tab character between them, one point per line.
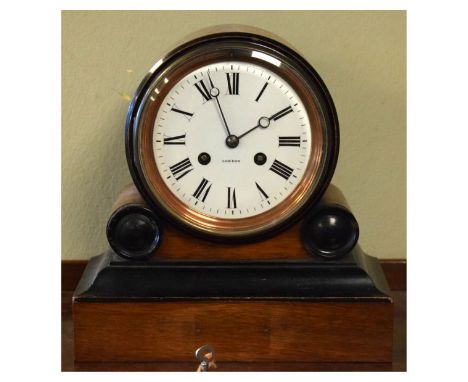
215	93
264	122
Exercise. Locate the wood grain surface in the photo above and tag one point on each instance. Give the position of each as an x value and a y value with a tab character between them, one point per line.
398	360
239	331
179	245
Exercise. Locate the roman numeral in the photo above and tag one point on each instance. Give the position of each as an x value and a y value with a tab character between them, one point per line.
233	83
289	141
281	113
281	169
182	168
232	203
184	113
201	87
263	194
202	187
261	92
177	140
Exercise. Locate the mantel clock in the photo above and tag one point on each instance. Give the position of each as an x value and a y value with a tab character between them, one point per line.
232	234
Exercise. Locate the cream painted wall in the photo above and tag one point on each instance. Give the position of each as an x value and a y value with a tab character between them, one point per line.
361	56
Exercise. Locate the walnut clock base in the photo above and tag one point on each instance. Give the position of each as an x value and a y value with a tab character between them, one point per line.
265	311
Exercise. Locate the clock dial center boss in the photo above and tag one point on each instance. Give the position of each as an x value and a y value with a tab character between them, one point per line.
234	141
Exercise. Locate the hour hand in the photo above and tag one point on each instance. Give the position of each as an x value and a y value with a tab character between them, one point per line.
264	122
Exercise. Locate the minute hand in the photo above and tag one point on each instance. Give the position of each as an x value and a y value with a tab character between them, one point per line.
214	92
264	122
222	115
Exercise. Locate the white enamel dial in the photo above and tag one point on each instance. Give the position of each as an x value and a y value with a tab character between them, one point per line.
261	162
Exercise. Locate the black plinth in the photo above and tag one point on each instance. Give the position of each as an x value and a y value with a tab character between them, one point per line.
109	278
